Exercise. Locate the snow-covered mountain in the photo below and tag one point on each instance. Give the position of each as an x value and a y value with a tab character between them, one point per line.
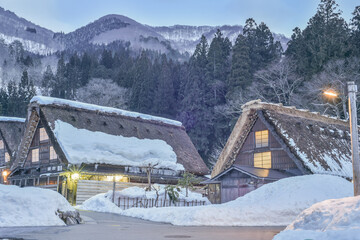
108	29
34	38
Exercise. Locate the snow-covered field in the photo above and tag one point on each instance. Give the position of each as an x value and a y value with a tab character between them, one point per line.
103	202
274	204
31	206
331	219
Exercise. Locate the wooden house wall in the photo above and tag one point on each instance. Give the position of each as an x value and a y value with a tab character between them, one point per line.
45	165
279	158
4	150
235	184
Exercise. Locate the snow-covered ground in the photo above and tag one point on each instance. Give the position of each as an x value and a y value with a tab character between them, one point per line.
31	206
331	219
274	204
103	202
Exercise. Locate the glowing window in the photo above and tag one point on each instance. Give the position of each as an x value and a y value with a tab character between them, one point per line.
43	135
1	144
262	138
262	160
53	154
35	155
7	157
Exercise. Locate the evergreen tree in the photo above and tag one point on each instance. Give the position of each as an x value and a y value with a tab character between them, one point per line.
325	37
240	75
355	32
218	67
164	98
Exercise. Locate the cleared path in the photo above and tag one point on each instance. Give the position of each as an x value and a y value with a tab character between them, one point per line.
112	226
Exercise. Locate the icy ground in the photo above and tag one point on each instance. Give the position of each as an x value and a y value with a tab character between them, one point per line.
331	219
31	206
274	204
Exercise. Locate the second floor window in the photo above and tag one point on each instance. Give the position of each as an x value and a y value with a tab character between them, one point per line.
53	154
35	155
1	144
7	157
43	135
261	139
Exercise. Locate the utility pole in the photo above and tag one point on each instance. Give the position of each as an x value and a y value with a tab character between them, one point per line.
352	90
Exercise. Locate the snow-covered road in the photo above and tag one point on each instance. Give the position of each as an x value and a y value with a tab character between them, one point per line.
111	226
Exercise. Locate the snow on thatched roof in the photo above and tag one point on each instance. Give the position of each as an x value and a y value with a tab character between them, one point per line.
110	123
12	130
316	143
41	100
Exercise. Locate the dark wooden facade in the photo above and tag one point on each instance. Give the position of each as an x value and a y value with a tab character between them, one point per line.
279	158
42	166
234	183
5	158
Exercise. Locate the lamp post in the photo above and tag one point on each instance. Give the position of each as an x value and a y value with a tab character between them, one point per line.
352	90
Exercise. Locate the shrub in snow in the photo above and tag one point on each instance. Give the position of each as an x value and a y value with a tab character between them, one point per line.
32	207
331	219
274	204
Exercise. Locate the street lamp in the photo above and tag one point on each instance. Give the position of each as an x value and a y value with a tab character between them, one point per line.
352	90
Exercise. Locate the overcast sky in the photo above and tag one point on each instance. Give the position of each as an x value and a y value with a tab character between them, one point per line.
67	15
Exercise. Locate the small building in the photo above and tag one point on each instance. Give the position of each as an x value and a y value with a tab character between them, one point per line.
11	131
270	142
103	143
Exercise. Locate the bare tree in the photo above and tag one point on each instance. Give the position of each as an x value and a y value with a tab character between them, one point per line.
278	83
103	92
334	76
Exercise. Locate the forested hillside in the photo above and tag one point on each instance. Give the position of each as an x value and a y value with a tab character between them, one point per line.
206	91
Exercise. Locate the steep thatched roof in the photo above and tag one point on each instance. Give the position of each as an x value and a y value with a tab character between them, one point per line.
12	130
114	122
316	143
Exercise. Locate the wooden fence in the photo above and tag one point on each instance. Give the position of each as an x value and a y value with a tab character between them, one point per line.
126	203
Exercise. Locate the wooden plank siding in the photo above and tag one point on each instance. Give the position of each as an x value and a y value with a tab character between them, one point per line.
279	158
88	188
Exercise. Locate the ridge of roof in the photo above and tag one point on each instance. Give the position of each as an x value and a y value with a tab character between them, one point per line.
292	110
12	119
43	101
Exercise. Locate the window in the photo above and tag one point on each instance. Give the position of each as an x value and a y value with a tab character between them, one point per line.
1	144
53	154
7	157
43	135
262	160
262	138
35	155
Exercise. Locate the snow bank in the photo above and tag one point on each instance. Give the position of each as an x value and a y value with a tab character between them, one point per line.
31	206
84	146
274	204
62	102
331	219
103	202
11	119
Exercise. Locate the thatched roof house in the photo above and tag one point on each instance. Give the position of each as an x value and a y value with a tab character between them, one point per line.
109	139
316	143
11	132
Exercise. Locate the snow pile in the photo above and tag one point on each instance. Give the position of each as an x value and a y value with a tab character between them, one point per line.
84	146
31	206
62	102
331	219
274	204
103	202
12	119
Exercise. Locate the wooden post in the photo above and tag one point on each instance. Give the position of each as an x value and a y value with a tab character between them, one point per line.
352	90
114	186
